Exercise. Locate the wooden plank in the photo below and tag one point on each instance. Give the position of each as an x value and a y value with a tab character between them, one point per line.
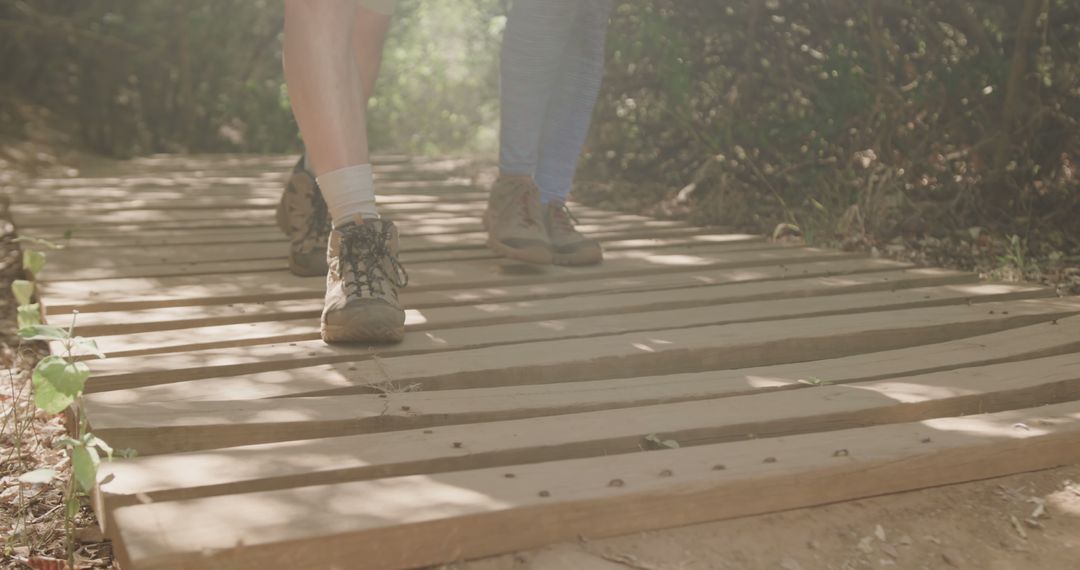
434	227
75	263
153	239
108	294
117	372
404	522
235	236
407	222
170	427
565	360
261	194
479	258
839	274
402	213
255	468
306	327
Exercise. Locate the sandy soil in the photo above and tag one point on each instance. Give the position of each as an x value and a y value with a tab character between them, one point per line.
996	524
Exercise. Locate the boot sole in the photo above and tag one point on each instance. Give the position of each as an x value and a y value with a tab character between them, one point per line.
374	324
300	272
536	255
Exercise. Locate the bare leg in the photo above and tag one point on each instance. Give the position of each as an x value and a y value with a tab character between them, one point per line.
324	82
369	34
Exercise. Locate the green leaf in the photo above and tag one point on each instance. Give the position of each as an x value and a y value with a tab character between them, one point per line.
84	464
38	476
23	291
87	346
33	261
653	441
95	441
57	383
28	315
66	441
43	332
38	241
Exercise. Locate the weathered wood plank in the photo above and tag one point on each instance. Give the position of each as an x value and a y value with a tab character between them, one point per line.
610	356
276	247
105	294
403	214
117	372
273	258
283	465
169	427
839	274
307	328
405	522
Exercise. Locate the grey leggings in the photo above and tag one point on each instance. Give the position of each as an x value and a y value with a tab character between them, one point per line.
552	65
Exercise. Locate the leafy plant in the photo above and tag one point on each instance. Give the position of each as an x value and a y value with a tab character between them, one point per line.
1015	262
58	380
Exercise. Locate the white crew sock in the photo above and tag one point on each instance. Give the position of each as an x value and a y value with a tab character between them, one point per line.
349	192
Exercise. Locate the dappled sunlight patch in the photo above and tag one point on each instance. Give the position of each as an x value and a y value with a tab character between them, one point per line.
991	288
1022	428
415	499
677	260
1066	501
414	317
724	238
768	382
436	339
911	392
552	325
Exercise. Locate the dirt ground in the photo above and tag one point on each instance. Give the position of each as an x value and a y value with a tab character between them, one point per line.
1027	521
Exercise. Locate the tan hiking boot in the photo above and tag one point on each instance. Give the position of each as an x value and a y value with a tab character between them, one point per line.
361	286
569	246
303	217
513	221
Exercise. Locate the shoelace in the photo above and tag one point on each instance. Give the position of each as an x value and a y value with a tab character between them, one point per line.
565	218
363	250
320	224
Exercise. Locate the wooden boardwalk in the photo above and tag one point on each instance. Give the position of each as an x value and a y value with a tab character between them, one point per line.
525	406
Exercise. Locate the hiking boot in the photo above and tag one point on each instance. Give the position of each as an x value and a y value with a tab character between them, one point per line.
569	246
361	285
303	217
513	221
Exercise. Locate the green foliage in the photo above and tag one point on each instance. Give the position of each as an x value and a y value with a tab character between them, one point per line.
23	291
654	441
33	261
866	120
204	75
28	315
58	382
43	332
85	458
438	89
